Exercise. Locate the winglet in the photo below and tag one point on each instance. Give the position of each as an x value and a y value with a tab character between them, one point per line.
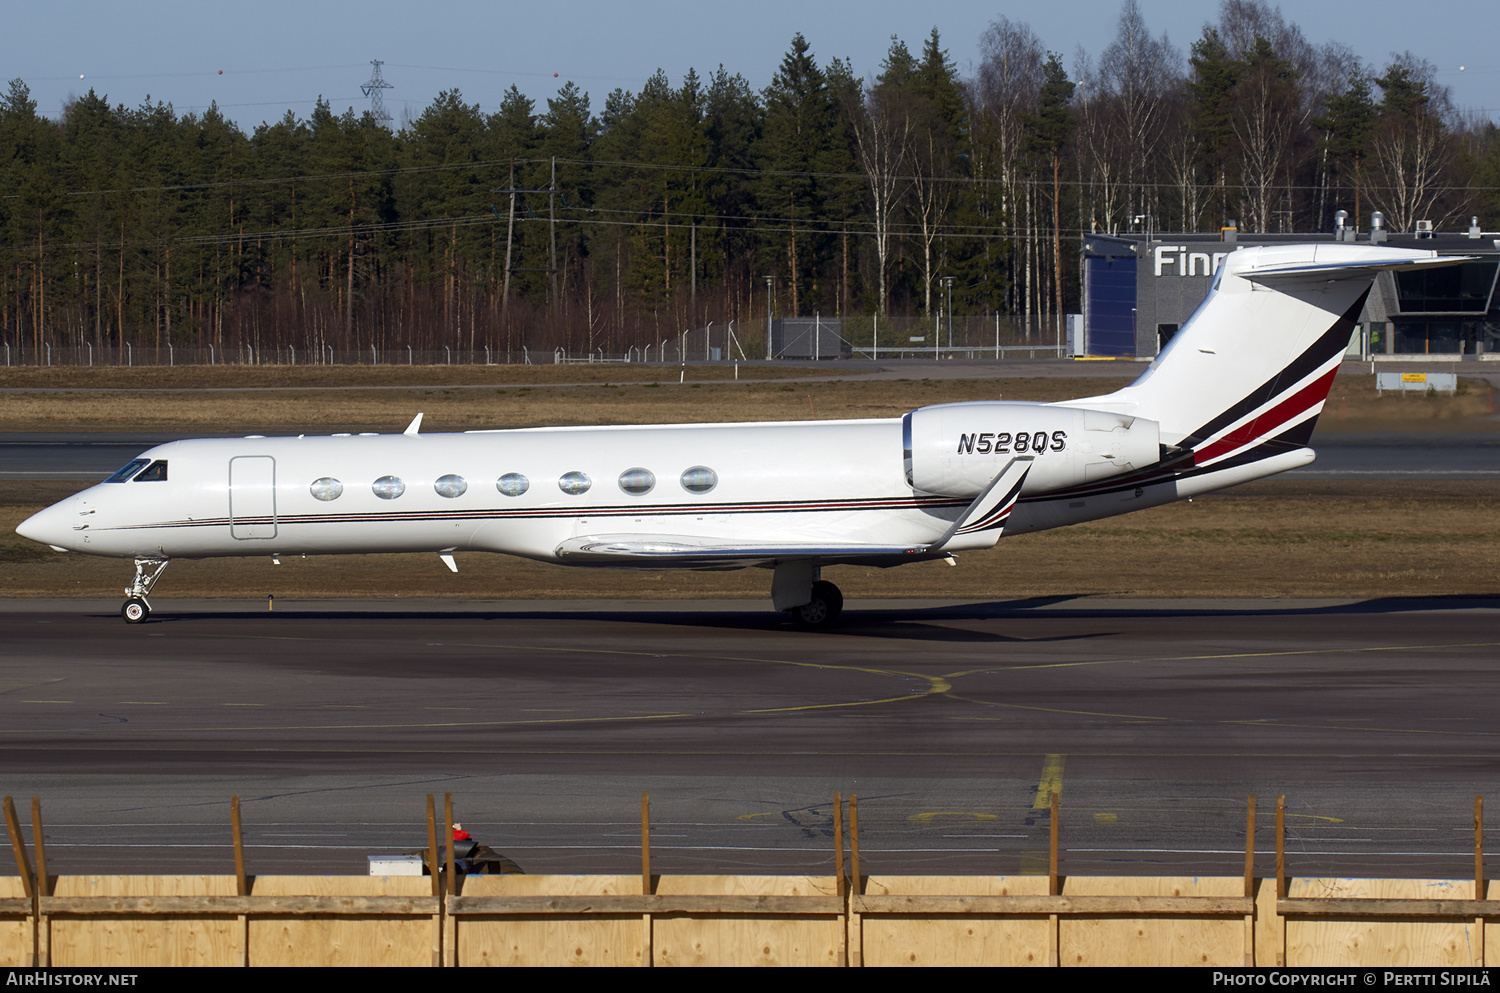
413	427
984	522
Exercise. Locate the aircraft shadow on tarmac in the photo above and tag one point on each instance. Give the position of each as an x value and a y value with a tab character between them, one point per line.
918	623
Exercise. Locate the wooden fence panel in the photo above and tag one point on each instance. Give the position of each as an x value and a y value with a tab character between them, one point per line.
548	939
748	939
15	930
919	939
374	939
1365	942
1154	940
134	939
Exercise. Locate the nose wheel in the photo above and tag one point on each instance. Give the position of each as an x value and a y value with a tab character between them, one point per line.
137	608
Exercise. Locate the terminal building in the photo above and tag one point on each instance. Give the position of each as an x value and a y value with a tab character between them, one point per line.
1138	289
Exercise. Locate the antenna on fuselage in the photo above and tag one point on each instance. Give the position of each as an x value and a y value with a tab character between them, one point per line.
413	427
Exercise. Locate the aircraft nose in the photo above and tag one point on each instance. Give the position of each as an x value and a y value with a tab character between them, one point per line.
51	527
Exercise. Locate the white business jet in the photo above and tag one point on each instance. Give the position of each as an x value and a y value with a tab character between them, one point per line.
1233	397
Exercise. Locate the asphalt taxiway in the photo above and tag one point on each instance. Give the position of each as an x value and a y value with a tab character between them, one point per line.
1154	721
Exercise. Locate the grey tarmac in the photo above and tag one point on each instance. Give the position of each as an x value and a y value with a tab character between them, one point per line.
951	721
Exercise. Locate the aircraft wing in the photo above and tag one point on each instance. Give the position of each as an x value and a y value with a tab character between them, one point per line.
685	551
980	526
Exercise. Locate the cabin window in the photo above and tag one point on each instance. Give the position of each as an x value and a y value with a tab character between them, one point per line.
450	486
326	489
574	483
388	487
127	470
512	484
699	479
156	472
637	481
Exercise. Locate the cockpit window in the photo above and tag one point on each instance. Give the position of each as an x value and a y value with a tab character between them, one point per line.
127	470
156	472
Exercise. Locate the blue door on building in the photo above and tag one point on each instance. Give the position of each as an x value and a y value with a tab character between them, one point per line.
1111	310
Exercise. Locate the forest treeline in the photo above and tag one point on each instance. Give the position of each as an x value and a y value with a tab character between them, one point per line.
664	209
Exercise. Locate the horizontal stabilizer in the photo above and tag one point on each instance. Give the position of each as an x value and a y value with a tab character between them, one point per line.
1361	268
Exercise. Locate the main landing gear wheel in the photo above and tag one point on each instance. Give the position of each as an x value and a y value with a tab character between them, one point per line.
822	610
135	610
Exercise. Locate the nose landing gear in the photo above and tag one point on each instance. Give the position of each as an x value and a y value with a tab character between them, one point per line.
137	608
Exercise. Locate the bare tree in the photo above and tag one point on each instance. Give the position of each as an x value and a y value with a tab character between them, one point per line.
1103	182
1265	120
882	132
1412	147
1140	72
1010	76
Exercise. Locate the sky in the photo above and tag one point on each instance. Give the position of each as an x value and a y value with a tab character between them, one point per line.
257	61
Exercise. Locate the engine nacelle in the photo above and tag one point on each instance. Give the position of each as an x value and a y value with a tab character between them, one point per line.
956	449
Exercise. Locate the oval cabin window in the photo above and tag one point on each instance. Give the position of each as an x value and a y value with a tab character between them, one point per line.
699	479
637	481
512	484
326	488
575	482
388	487
451	485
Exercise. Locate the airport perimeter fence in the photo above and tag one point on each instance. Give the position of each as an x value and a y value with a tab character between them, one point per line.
848	917
865	337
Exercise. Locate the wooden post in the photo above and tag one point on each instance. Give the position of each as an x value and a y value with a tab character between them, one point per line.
37	843
1479	846
646	942
437	893
854	940
838	842
1054	930
18	846
1281	875
447	924
1052	889
1250	881
448	831
1479	875
859	886
23	867
838	869
241	885
1281	847
42	952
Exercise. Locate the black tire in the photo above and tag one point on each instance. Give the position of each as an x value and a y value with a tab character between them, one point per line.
823	609
135	610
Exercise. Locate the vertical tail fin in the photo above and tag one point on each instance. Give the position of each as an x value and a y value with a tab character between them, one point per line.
1247	375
